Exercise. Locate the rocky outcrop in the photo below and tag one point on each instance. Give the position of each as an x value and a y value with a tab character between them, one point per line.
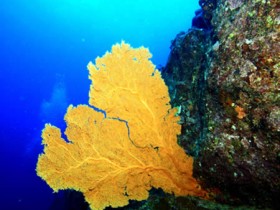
224	74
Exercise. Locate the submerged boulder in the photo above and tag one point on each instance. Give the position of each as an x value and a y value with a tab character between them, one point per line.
226	80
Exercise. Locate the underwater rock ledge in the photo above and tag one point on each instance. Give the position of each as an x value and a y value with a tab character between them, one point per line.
226	78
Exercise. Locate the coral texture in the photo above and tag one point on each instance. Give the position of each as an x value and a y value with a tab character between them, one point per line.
227	81
119	156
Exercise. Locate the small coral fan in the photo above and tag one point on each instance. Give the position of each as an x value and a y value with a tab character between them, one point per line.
119	157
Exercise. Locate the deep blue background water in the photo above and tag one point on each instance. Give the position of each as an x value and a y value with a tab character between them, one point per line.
45	46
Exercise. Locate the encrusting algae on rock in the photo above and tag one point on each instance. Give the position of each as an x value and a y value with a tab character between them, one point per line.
119	156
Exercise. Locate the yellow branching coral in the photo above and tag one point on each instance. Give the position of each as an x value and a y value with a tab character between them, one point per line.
119	157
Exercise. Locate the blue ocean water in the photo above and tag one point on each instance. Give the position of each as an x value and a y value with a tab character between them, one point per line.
45	46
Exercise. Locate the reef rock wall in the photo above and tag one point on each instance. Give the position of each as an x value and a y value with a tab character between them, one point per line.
224	74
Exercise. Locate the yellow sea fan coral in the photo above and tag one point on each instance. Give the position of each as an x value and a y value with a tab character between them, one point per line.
120	157
126	85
